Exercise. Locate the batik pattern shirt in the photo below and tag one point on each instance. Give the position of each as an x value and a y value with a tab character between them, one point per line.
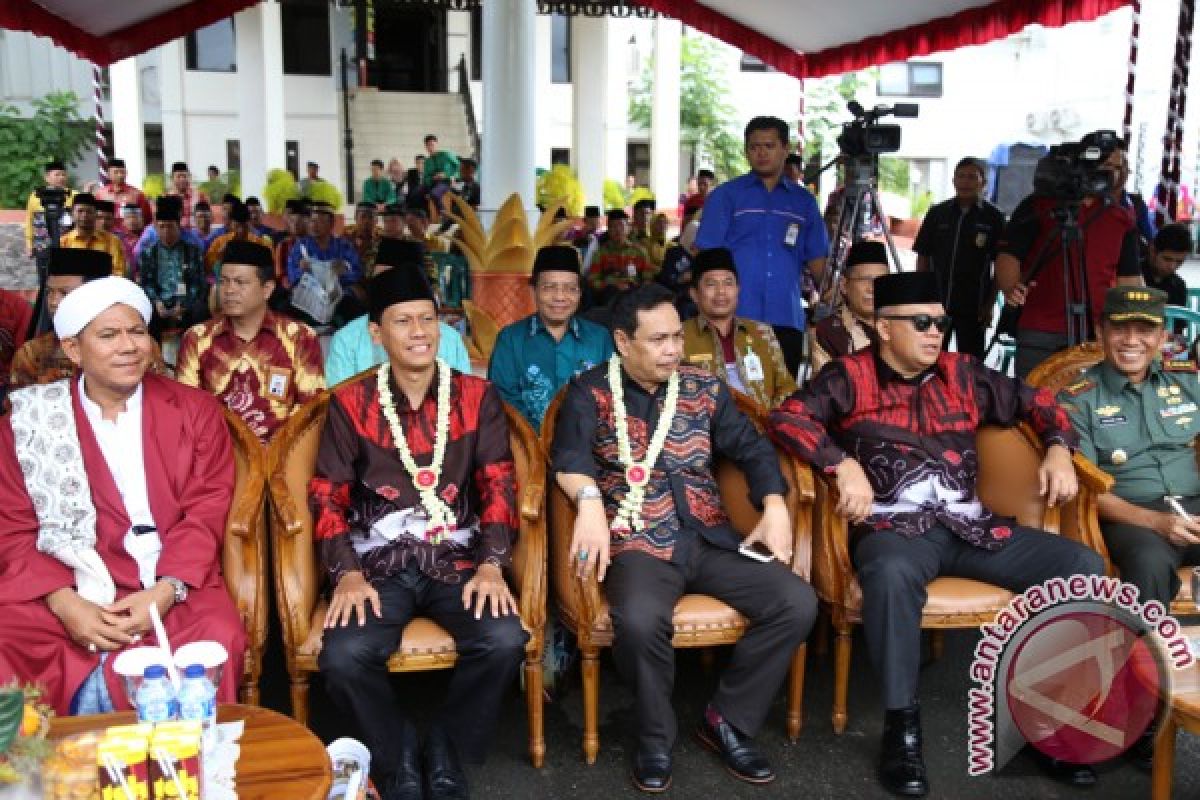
262	380
915	437
173	275
682	500
42	360
360	487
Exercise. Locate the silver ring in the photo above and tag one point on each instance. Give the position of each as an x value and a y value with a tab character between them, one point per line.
91	647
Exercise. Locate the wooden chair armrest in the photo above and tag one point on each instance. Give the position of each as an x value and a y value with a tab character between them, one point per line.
1091	476
532	501
593	601
532	581
832	567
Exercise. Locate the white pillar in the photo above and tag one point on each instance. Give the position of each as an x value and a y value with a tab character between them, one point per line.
616	101
542	70
129	132
664	129
170	81
509	101
274	131
589	46
251	99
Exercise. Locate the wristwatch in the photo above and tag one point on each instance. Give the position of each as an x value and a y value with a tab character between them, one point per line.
181	589
586	492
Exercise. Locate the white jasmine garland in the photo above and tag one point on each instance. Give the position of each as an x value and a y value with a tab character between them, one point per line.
637	474
425	479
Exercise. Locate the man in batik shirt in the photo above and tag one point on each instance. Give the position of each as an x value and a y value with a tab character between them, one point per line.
401	531
171	272
261	365
678	538
894	426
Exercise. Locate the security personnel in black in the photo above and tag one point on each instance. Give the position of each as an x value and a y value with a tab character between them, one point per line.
1137	419
957	241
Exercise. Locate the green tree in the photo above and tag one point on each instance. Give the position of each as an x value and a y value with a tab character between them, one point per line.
825	109
706	119
894	175
55	131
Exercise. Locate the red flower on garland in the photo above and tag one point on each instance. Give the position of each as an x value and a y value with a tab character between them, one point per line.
952	457
1002	532
388	492
450	494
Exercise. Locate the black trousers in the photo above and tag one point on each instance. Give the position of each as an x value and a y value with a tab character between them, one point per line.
354	659
642	592
894	570
792	341
1147	560
968	334
1034	347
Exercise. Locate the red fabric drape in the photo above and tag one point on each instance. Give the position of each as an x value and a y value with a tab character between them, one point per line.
104	50
970	27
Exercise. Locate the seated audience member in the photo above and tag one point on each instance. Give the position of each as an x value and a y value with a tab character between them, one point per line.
659	521
261	365
1137	420
618	263
87	235
536	356
414	506
295	216
258	222
894	425
393	221
1160	268
321	245
364	234
41	359
353	349
741	352
106	217
237	229
79	572
852	328
203	228
171	271
378	189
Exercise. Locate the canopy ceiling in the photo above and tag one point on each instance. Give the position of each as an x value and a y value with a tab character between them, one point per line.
804	38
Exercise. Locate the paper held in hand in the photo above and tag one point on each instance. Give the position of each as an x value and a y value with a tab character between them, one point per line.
318	292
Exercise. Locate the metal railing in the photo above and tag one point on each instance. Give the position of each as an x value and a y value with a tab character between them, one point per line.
464	90
348	132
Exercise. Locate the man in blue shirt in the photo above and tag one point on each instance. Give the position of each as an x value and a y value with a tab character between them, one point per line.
536	356
322	245
352	349
774	229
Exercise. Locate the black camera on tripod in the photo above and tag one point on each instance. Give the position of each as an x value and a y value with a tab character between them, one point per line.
1072	171
864	136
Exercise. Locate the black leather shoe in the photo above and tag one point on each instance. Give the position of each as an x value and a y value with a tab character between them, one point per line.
651	771
1081	776
444	776
405	782
739	754
901	766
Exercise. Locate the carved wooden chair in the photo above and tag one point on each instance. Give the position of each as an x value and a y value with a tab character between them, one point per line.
1008	484
1056	373
244	552
483	330
299	585
700	620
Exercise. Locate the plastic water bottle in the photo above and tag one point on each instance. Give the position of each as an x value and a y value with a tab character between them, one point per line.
198	697
155	698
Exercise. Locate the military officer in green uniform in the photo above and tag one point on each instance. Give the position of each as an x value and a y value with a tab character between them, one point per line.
1137	418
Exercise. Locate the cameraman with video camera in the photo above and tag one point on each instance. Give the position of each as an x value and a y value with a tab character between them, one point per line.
1066	245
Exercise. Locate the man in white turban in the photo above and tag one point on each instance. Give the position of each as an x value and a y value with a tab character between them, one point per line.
114	489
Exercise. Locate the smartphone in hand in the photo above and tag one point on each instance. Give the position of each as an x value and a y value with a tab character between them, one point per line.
757	551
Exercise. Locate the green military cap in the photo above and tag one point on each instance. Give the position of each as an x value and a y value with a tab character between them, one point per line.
1123	303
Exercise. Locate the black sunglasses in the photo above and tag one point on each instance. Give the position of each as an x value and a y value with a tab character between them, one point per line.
922	321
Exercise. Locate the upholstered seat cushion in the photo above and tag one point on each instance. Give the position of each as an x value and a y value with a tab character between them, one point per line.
948	598
699	620
1185	591
423	640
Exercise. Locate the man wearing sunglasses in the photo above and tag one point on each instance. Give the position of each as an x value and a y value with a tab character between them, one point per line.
908	413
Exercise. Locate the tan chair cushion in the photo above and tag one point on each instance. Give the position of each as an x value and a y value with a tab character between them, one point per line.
422	638
696	616
948	597
1185	591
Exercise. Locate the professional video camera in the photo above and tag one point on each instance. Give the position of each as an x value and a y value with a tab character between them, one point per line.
864	136
1074	170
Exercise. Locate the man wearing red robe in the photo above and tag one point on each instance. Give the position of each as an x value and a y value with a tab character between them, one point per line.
173	490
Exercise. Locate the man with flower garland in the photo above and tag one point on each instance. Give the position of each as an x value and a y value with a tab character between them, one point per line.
414	512
894	427
634	446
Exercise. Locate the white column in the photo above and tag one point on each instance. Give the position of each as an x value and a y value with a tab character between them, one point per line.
589	45
509	101
251	98
616	101
274	131
664	129
129	133
170	78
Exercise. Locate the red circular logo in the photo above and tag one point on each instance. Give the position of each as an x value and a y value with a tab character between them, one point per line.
426	478
636	475
1083	686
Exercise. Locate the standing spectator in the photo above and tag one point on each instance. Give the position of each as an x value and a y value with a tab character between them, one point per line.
705	180
957	242
378	190
106	216
181	187
1118	163
773	227
441	165
260	365
1166	255
639	232
204	229
587	239
306	183
37	232
128	233
467	185
619	264
793	168
171	272
87	236
258	223
121	193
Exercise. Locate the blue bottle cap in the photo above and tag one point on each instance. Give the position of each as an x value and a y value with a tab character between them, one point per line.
194	671
155	671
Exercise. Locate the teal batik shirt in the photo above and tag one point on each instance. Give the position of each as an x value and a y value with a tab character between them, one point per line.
529	367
